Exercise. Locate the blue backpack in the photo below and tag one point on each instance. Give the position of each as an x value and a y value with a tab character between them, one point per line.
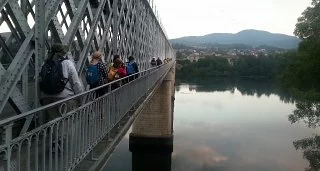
130	68
92	75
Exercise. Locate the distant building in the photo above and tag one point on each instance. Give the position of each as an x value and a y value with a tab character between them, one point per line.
194	57
231	60
231	52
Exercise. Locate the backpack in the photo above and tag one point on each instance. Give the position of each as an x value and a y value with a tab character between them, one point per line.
153	62
130	68
92	75
52	80
159	62
112	74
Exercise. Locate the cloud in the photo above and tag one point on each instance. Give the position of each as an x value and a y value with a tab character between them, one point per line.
189	156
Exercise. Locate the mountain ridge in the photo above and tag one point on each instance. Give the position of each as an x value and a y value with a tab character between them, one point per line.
248	37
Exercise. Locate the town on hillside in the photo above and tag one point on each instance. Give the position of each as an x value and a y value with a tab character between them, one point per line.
230	52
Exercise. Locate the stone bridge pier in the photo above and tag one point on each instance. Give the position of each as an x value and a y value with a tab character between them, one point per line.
151	139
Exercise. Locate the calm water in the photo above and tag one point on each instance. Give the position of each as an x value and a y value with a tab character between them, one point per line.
230	125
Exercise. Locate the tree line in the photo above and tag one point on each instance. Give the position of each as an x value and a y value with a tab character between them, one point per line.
243	66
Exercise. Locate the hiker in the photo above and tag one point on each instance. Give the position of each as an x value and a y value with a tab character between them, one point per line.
132	68
122	71
114	58
165	61
117	71
96	74
159	62
153	62
59	79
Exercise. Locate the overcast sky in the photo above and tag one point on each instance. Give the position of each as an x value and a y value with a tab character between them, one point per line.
199	17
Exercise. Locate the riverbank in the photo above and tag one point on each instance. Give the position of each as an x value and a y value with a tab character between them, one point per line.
244	66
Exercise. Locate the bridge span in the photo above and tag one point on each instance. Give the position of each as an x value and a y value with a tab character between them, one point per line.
89	127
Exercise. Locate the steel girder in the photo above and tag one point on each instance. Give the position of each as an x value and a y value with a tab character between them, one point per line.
91	35
10	77
125	27
3	3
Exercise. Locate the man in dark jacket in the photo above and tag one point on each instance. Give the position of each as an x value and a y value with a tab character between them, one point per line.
159	62
153	62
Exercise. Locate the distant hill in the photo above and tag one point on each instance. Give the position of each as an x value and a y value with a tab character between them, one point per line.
248	37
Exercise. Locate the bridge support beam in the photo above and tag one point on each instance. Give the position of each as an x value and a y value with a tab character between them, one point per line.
152	131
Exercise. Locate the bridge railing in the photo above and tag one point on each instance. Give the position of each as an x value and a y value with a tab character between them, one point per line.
61	143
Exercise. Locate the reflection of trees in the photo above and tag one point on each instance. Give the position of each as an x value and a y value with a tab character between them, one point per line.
311	151
246	86
308	112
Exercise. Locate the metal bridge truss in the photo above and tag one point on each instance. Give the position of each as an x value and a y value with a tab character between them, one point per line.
27	30
125	27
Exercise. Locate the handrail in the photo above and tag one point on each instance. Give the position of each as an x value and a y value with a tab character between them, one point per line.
64	141
31	112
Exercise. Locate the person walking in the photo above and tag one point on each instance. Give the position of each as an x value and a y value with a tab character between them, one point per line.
132	68
96	74
58	79
117	71
159	62
153	62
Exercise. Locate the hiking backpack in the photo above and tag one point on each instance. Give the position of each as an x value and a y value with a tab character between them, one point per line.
112	74
92	75
130	68
52	80
153	62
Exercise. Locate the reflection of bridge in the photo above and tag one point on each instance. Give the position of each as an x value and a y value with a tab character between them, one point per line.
89	127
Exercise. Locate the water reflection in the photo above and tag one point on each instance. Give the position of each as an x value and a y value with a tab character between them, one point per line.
311	151
309	113
234	124
246	124
247	86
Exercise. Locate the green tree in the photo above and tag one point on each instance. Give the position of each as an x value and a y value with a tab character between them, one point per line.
303	72
308	27
302	76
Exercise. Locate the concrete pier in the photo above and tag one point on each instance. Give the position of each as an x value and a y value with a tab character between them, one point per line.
151	139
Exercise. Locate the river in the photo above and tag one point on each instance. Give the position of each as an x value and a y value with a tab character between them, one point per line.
229	125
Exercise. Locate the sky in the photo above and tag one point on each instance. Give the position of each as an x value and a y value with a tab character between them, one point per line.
195	18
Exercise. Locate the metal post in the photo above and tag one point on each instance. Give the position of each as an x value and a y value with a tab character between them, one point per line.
39	45
24	7
25	83
137	31
115	28
8	129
